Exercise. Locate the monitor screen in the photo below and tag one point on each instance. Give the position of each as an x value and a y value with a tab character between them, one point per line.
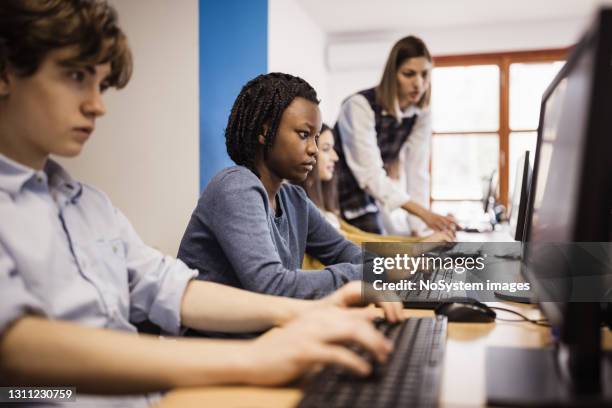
571	180
519	197
567	253
557	178
559	162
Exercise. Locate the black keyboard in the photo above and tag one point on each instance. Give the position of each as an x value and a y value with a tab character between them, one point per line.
430	299
411	377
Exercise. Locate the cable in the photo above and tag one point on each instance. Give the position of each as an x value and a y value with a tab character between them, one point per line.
540	322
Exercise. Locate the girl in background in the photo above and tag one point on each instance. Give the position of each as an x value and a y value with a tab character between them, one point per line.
320	185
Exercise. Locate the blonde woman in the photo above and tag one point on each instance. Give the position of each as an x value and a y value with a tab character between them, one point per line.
383	133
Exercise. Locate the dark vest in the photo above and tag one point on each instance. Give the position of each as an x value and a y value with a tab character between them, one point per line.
390	137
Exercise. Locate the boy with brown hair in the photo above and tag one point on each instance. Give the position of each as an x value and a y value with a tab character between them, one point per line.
75	276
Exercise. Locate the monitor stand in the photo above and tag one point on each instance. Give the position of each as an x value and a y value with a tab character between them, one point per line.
510	272
522	377
526	297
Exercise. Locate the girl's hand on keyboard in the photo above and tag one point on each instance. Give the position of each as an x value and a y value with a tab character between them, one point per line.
315	338
354	294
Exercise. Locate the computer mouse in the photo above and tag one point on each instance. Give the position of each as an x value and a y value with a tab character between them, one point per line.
470	312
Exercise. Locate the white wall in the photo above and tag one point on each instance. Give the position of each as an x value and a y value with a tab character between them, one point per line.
144	152
356	62
296	45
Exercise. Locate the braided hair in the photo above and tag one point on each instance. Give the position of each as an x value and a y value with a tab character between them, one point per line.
261	101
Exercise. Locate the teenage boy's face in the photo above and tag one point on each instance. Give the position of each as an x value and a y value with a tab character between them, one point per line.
54	110
293	153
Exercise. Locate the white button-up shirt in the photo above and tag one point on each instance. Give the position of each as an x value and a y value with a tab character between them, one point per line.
67	253
358	129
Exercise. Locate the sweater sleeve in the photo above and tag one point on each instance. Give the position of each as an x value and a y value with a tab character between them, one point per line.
416	162
238	212
326	243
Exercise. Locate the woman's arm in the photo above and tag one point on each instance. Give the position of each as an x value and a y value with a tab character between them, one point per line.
435	221
357	130
415	158
418	151
357	125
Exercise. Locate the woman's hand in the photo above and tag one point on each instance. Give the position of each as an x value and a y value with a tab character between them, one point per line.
434	221
439	222
352	294
315	338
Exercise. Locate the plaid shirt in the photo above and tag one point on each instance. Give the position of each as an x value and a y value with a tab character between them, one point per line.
390	136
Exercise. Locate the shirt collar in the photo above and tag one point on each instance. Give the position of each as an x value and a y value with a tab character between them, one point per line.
59	179
408	112
14	176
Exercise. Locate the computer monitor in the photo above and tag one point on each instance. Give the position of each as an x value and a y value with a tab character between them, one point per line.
570	199
518	208
569	208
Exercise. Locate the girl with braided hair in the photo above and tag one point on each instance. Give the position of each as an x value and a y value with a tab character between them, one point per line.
250	229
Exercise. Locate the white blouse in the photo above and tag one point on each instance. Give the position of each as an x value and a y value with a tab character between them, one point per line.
363	157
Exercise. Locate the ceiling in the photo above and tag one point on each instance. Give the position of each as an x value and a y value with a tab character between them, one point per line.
349	17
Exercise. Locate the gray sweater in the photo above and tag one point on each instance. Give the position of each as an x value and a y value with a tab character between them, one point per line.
234	238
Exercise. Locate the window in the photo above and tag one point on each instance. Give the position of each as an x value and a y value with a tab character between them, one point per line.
527	84
485	115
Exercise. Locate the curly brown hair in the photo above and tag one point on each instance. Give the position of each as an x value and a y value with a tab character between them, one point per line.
30	29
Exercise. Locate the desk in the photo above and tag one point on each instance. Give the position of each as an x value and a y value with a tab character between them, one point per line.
463	382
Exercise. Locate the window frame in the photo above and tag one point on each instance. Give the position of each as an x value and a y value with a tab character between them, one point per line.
503	60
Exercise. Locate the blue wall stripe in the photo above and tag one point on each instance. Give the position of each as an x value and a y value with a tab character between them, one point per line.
233	41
